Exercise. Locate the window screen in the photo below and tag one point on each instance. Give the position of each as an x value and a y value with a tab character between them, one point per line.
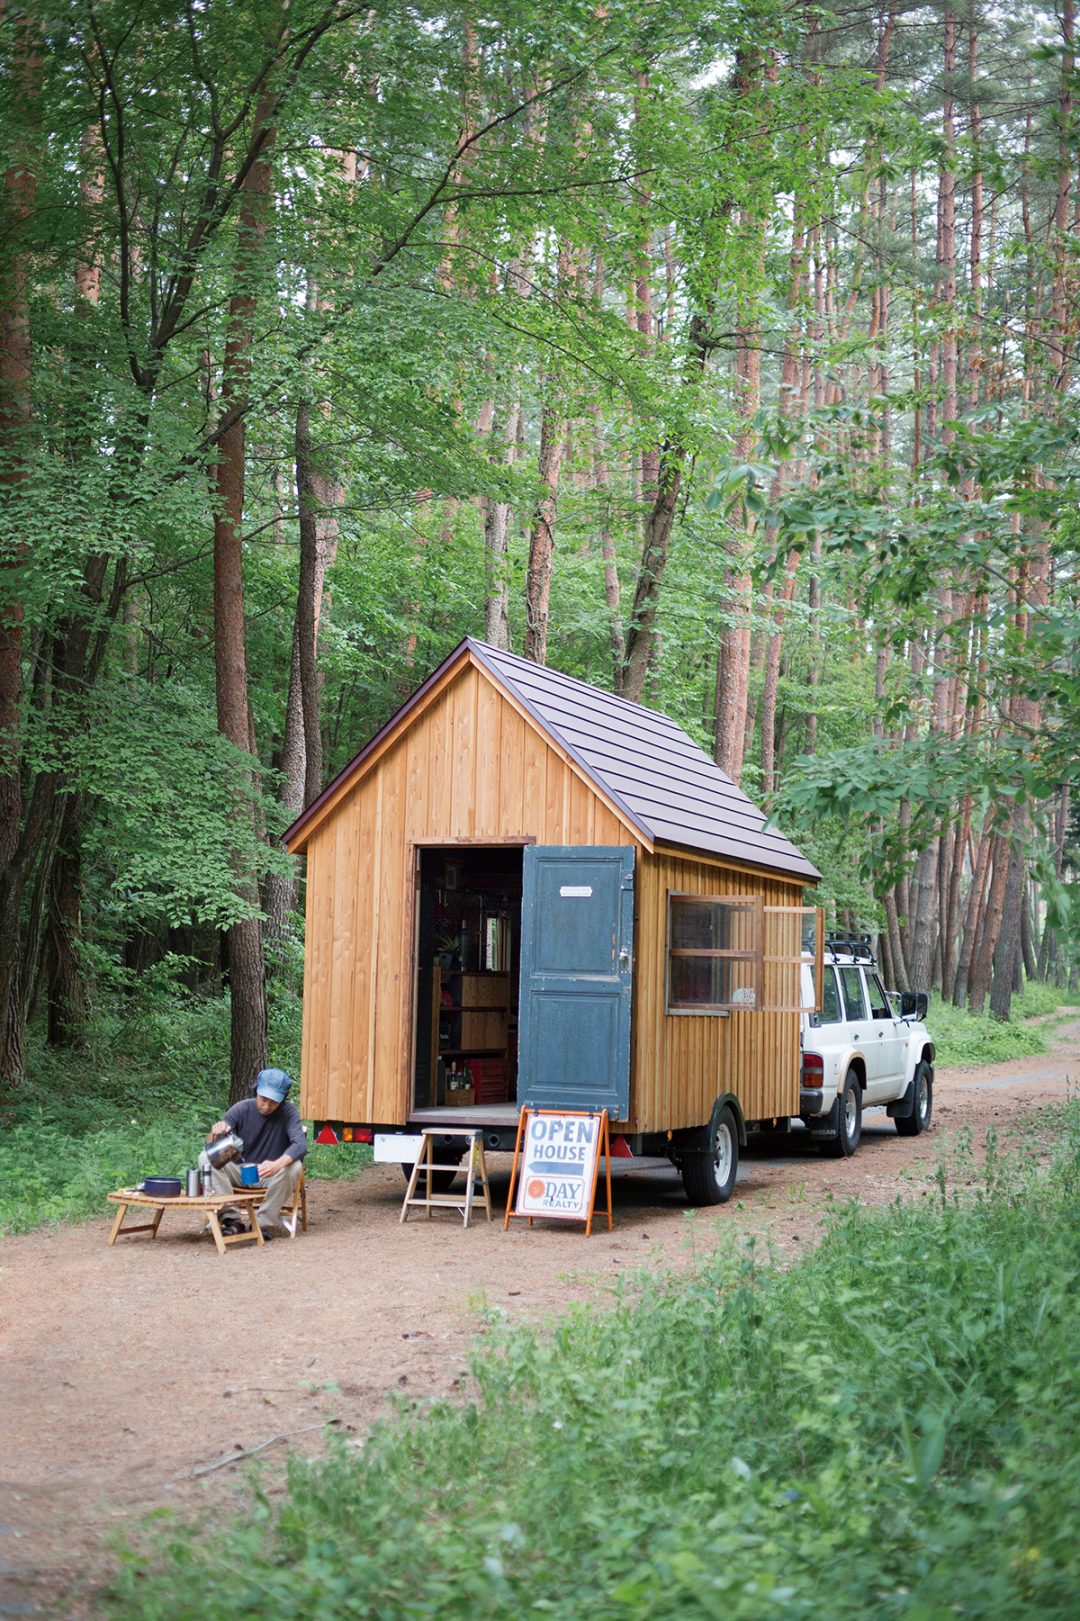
714	953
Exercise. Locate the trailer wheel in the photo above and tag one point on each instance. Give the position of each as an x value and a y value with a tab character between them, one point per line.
918	1120
709	1176
849	1126
442	1180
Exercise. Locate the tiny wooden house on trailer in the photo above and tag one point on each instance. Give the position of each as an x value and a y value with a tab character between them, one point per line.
524	890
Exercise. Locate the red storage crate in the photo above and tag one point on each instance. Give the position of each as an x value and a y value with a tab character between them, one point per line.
489	1079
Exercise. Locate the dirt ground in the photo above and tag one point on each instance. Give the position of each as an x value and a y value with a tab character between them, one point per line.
125	1371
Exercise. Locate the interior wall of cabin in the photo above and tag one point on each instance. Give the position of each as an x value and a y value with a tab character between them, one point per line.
468	960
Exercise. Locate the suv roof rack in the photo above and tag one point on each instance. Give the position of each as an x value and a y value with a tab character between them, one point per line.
846	945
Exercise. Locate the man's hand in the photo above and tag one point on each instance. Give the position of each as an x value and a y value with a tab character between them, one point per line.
218	1129
270	1167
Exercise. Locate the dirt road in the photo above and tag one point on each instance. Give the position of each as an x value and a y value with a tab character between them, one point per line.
125	1370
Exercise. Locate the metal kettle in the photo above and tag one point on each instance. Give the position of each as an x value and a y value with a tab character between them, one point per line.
220	1150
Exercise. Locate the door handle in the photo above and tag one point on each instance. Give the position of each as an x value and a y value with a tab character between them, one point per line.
624	959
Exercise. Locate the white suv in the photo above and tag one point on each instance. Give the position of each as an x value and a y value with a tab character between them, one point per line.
865	1047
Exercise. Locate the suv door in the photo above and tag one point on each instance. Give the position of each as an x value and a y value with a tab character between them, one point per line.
857	1029
886	1045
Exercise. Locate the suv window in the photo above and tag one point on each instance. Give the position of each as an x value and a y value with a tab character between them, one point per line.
879	1002
854	1001
830	1000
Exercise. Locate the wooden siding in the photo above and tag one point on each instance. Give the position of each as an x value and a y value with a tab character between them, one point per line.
681	1062
469	766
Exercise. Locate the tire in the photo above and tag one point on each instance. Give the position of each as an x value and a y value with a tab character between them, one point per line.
918	1120
849	1129
709	1177
441	1181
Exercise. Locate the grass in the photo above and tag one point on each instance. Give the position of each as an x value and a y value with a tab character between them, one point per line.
961	1037
136	1103
887	1430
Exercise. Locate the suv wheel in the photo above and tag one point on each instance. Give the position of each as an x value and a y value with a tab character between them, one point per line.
849	1128
918	1120
709	1177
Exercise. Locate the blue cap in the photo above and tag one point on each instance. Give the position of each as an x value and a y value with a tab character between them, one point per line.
273	1083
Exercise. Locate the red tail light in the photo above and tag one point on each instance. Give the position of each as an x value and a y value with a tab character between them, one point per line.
813	1069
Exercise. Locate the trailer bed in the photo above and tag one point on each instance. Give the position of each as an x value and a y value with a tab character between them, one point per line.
498	1116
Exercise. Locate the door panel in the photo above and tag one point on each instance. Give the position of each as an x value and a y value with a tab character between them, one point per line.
885	1045
577	931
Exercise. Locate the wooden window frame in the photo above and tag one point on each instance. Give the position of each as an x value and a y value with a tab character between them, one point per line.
818	960
751	903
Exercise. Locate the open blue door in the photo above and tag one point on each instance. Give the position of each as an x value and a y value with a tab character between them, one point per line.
577	937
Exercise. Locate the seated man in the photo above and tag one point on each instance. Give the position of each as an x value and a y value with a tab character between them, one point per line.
273	1138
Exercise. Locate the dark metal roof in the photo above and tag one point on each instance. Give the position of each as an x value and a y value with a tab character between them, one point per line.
665	785
646	763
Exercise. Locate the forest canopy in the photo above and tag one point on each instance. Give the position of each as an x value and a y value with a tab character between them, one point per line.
721	356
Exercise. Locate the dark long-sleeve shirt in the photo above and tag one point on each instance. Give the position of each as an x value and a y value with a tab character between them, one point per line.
268	1136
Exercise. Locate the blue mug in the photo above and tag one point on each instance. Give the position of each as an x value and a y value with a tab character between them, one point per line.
249	1176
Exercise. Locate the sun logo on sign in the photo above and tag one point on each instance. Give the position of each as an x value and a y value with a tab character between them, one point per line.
536	1188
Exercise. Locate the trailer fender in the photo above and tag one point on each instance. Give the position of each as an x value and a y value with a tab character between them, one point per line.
699	1139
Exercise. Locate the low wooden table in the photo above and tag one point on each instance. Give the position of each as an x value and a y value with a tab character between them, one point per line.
209	1203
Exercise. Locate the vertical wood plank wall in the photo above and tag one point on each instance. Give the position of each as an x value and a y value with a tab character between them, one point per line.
680	1063
468	767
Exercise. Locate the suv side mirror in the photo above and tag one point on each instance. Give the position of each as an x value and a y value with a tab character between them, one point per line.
914	1004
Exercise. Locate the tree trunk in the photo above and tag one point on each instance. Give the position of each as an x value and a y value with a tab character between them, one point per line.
247	977
982	961
1027	937
896	947
497	540
66	1021
553	431
972	922
1007	951
923	900
658	528
307	604
16	361
733	652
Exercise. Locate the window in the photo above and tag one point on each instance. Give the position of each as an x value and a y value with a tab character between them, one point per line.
830	1000
879	1002
714	953
792	958
854	1000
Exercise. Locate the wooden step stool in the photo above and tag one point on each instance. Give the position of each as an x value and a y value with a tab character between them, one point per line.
475	1170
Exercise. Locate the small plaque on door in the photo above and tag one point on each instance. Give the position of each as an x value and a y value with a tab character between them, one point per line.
571	892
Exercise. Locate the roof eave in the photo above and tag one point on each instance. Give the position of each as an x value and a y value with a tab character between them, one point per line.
634	823
796	875
296	837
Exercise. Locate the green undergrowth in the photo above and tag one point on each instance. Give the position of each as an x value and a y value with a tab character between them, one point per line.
961	1037
136	1102
886	1430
